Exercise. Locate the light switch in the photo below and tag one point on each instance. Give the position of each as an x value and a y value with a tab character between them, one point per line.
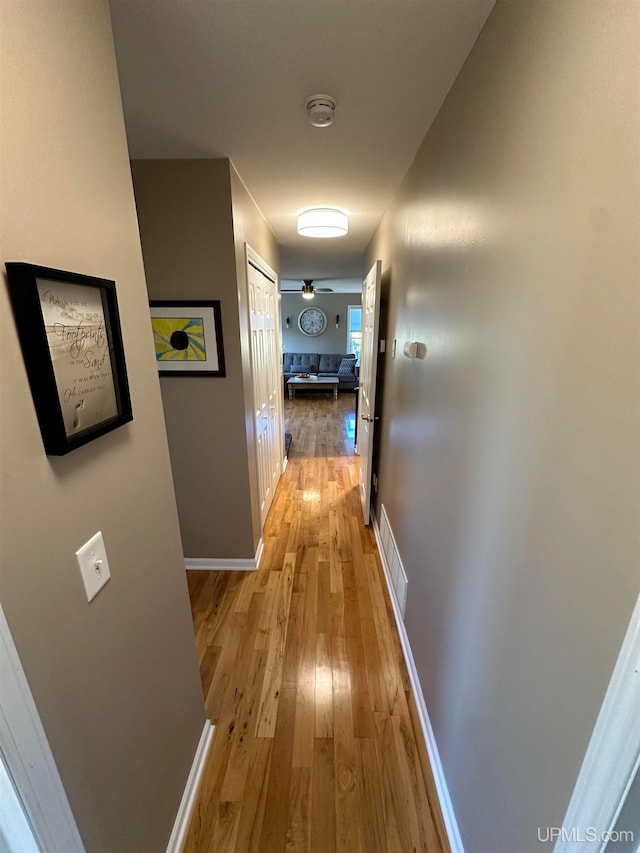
94	566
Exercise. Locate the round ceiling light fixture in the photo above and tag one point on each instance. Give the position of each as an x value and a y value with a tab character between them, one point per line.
321	110
323	222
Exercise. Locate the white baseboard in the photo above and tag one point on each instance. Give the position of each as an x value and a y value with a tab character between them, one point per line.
259	551
217	564
448	815
187	803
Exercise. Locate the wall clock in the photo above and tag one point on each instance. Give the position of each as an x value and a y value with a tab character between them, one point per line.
312	321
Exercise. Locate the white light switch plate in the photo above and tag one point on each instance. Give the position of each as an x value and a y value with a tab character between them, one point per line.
94	566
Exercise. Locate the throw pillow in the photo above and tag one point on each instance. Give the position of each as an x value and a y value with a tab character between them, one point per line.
347	367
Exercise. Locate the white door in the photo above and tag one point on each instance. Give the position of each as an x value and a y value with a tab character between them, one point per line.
34	811
368	373
625	837
267	379
606	796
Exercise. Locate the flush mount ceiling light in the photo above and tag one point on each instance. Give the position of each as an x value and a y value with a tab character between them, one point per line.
307	288
323	222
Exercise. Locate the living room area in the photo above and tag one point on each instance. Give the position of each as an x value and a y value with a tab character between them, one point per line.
321	330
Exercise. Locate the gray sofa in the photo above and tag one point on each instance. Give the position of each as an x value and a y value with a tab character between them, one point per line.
321	364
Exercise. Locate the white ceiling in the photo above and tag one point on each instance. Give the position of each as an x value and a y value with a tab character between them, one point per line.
230	78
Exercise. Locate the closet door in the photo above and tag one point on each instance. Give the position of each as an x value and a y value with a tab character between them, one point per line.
266	377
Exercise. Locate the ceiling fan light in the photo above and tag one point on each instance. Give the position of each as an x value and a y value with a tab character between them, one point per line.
323	222
307	290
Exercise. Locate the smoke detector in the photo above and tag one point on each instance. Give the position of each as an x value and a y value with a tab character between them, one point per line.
320	110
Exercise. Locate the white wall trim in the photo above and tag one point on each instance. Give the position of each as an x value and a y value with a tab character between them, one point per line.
29	758
260	264
446	806
225	564
187	803
259	553
248	192
613	754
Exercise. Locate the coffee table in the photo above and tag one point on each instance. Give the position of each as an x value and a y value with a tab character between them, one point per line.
327	383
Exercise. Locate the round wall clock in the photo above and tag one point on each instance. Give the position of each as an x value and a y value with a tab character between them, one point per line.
312	321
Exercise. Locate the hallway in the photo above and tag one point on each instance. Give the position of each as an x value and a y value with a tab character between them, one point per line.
317	744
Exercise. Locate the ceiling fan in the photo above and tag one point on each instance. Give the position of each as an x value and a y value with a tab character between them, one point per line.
308	288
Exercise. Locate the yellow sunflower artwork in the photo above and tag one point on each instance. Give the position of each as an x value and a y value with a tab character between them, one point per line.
179	338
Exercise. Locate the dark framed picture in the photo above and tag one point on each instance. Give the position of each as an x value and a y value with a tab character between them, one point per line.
188	338
69	331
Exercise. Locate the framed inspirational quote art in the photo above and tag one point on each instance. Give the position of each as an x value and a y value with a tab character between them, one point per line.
69	332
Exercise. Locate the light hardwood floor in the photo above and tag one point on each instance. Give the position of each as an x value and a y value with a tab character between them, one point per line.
317	745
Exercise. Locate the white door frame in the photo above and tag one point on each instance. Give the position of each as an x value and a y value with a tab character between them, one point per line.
613	754
28	756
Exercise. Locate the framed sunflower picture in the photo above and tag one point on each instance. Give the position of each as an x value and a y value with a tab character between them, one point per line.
188	338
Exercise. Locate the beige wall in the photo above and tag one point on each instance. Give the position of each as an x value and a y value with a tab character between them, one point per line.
115	681
509	457
195	216
249	227
187	233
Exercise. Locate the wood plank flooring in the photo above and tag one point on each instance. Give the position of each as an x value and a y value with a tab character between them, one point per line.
317	745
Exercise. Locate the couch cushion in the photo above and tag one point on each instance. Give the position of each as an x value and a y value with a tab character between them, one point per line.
329	363
305	362
347	367
304	368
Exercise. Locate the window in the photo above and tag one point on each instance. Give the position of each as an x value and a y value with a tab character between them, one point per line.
354	330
